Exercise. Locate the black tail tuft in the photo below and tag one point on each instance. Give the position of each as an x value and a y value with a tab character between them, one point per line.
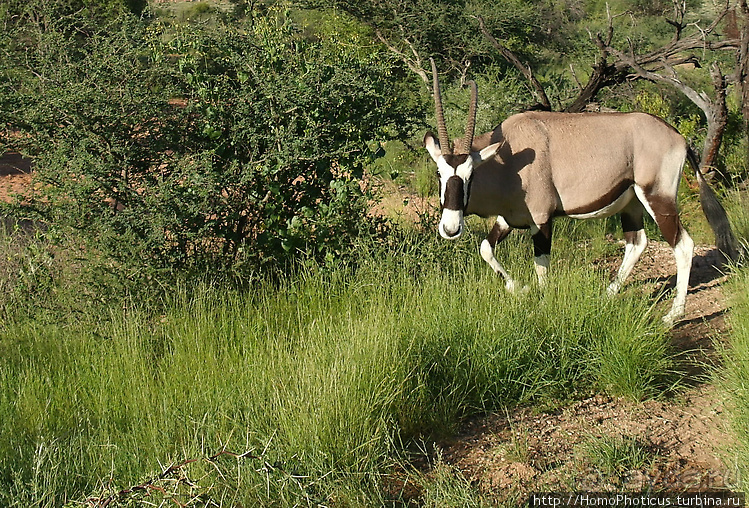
715	213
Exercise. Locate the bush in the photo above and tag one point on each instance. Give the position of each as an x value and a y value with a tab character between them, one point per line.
46	11
238	146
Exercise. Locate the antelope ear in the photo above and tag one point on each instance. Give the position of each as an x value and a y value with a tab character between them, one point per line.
432	146
485	154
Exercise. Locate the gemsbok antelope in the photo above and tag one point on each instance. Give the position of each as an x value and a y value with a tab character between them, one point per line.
539	165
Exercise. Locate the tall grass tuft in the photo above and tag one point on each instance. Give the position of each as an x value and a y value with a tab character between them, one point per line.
737	206
320	380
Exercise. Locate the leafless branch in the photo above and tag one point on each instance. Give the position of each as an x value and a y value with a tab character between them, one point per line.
464	72
538	89
412	62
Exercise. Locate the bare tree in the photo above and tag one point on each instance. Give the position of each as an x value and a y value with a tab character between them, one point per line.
614	66
741	77
412	60
659	65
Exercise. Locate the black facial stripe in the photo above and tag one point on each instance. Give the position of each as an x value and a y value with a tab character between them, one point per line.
454	193
468	191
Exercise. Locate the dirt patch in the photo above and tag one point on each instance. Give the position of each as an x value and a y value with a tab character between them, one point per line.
15	176
525	451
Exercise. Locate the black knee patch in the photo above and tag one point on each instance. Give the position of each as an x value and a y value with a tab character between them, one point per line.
542	241
497	234
632	223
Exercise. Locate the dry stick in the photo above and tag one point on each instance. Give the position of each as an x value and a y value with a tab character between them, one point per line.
413	63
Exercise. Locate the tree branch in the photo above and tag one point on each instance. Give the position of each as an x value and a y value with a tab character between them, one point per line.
414	64
525	70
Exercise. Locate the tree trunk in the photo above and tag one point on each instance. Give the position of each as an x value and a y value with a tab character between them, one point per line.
716	113
742	65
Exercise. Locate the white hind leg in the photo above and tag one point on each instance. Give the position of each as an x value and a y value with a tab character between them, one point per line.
683	251
666	214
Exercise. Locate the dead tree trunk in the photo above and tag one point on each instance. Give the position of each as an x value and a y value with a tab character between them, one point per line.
715	110
742	61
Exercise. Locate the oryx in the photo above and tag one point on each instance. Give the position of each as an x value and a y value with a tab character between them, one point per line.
539	165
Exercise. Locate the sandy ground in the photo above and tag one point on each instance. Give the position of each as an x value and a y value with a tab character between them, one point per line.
15	175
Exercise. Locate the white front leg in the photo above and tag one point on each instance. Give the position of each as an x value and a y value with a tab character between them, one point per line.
541	264
487	253
541	236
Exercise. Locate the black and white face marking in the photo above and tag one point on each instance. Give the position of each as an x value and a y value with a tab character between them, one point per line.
455	173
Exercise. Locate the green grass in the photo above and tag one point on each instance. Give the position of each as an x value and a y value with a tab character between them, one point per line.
737	207
324	379
734	376
616	455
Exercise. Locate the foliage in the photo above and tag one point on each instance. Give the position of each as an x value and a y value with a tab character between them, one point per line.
237	146
85	13
446	29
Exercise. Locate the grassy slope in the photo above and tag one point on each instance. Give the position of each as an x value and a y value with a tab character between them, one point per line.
323	380
734	378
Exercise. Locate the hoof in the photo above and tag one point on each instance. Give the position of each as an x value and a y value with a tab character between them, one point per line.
613	289
672	318
513	288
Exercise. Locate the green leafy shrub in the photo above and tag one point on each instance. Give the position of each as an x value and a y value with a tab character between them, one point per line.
46	11
237	146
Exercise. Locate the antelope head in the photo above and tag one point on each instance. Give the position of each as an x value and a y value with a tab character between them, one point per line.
455	165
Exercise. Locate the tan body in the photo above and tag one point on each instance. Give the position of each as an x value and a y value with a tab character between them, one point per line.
552	164
540	165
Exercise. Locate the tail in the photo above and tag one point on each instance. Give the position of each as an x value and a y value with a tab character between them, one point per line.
715	213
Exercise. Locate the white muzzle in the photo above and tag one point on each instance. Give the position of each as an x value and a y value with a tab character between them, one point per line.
451	224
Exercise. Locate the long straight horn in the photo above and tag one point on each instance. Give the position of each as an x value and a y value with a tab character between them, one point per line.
441	128
471	122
